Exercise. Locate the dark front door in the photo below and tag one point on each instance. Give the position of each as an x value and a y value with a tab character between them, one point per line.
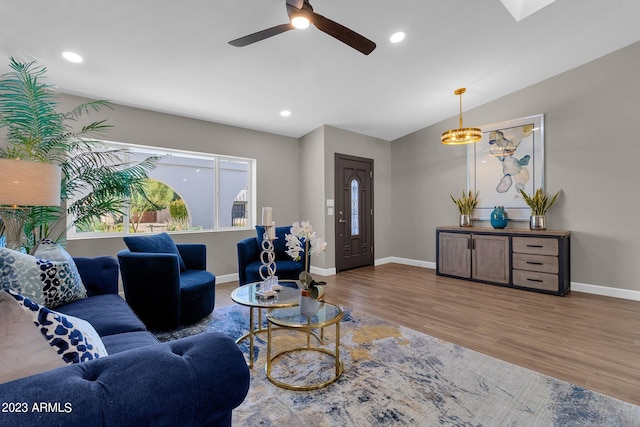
354	211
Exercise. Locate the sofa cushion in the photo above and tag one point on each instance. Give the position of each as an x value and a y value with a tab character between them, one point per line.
108	314
128	340
24	350
43	281
157	243
74	339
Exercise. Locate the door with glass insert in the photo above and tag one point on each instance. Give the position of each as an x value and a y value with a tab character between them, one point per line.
353	211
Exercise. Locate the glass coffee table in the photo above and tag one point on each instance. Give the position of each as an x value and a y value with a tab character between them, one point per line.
288	296
290	318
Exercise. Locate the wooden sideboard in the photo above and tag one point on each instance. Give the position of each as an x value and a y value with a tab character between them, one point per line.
525	259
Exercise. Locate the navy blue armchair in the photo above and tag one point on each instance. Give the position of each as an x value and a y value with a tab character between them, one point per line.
249	257
163	294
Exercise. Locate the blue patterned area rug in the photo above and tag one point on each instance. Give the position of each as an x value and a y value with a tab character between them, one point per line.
395	376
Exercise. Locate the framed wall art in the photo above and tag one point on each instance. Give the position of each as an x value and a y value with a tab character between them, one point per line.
509	156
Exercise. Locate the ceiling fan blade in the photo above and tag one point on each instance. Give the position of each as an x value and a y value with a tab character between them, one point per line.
261	35
296	3
344	34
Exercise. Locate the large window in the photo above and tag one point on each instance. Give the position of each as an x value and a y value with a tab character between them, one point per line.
186	191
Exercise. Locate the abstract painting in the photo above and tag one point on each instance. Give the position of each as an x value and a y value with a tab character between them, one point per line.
509	157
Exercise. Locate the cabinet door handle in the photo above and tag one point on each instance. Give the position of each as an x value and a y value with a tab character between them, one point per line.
535	263
469	243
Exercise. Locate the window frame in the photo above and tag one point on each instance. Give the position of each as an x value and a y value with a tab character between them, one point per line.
71	234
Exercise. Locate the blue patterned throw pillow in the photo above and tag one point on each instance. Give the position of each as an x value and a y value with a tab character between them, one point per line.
50	278
75	340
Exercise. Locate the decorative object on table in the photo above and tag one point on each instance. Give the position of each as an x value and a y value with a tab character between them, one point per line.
24	184
539	204
499	217
35	131
461	135
267	270
304	240
466	204
509	157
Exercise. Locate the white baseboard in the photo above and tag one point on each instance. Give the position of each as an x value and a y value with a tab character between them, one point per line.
606	291
406	261
578	287
322	271
227	278
315	270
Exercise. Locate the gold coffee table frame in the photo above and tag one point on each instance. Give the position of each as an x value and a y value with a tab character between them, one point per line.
246	295
290	318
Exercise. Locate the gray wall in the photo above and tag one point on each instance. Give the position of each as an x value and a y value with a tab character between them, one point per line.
354	144
317	154
276	186
591	150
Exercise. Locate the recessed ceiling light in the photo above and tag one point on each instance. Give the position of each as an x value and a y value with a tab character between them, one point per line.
397	37
72	57
285	113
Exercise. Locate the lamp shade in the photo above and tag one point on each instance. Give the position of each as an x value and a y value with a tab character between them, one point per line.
25	183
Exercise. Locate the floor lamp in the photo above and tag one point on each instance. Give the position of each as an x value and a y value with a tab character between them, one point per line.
24	184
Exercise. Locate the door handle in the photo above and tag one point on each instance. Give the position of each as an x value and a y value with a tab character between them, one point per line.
342	220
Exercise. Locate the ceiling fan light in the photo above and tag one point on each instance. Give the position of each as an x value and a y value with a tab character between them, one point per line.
300	22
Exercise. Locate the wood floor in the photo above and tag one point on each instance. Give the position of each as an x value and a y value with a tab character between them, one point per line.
585	339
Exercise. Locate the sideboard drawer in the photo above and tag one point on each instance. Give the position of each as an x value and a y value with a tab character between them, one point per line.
535	245
535	280
531	262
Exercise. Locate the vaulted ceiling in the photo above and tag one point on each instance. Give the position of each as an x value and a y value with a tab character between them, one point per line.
174	56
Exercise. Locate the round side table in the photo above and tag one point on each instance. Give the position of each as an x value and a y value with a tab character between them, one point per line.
290	318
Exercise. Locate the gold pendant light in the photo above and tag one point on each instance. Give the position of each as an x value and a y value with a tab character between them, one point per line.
461	135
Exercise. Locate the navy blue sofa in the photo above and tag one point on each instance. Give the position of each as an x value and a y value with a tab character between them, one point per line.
249	257
194	381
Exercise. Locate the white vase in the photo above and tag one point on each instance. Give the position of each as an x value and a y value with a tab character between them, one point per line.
308	306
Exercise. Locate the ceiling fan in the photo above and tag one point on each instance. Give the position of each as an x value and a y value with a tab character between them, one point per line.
301	14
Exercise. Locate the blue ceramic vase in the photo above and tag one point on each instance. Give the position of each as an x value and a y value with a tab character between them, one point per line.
499	217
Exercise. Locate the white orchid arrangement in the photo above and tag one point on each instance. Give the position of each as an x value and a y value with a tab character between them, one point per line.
304	240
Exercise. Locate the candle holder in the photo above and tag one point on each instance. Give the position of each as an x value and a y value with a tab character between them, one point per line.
267	270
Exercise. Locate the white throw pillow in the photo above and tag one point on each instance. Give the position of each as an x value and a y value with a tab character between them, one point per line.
73	339
24	351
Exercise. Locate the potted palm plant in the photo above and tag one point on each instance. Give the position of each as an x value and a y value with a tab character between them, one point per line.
466	204
94	182
539	203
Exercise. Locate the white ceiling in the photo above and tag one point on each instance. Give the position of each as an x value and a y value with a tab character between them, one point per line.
173	56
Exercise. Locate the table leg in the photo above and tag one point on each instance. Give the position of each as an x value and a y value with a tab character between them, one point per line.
251	320
337	349
268	349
